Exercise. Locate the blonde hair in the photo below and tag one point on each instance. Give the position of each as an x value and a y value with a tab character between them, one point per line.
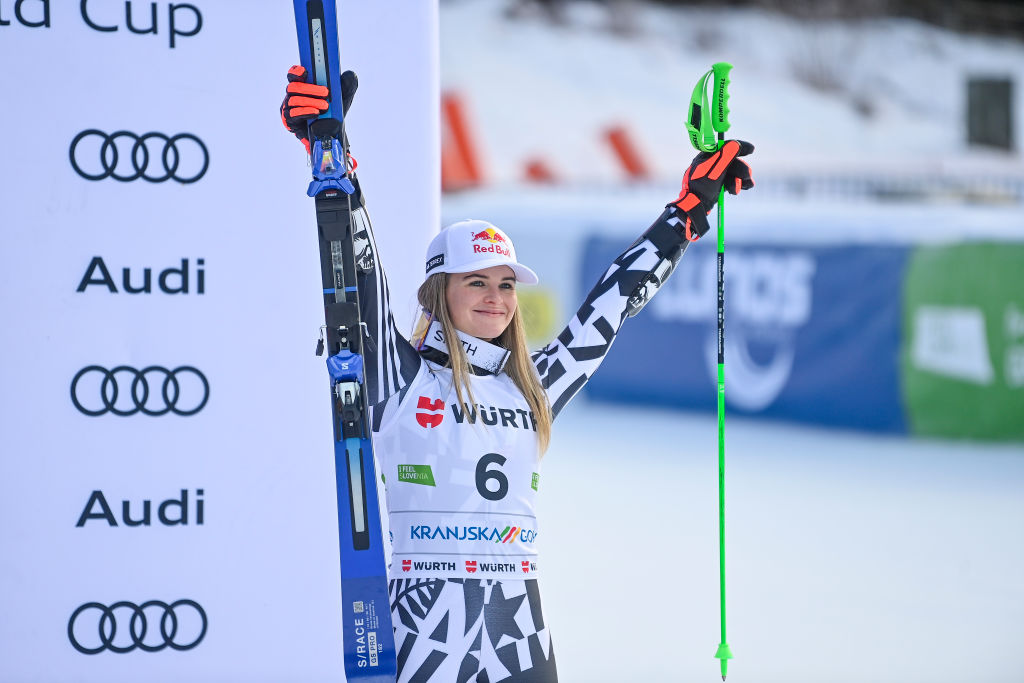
519	366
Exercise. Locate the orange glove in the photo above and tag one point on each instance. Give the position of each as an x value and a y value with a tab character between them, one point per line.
704	179
304	101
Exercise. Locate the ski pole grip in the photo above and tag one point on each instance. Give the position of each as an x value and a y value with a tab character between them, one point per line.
707	119
720	117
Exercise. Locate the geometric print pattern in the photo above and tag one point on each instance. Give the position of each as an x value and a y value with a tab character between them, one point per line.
568	362
485	630
470	631
389	361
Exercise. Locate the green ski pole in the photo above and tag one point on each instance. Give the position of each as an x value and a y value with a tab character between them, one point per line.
704	122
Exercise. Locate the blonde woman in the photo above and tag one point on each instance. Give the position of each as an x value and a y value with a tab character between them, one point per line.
463	412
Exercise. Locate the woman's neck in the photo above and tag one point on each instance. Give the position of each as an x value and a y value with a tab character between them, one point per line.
482	354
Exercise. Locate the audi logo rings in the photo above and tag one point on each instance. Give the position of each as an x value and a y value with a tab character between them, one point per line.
140	156
175	385
192	621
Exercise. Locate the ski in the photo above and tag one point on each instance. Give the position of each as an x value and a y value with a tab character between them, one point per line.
367	637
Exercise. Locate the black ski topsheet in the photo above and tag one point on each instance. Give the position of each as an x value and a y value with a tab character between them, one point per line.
367	636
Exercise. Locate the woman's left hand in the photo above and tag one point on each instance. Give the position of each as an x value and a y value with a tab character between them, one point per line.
304	101
704	179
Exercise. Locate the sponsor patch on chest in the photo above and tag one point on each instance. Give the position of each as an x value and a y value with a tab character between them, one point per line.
416	474
429	412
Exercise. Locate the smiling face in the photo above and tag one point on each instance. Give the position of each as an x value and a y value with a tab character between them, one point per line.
481	303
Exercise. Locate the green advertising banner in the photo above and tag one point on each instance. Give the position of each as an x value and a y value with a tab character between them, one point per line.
962	356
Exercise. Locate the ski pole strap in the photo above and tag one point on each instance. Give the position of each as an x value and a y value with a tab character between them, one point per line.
707	119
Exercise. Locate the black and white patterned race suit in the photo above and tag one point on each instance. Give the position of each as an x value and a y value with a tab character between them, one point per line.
462	479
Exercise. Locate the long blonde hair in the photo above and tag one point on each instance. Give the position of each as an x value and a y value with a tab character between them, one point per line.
519	367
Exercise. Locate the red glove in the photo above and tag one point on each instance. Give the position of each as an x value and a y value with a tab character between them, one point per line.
304	101
704	179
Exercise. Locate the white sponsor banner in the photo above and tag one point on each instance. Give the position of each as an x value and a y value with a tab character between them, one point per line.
951	341
166	440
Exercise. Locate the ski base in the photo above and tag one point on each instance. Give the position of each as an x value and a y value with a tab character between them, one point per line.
366	634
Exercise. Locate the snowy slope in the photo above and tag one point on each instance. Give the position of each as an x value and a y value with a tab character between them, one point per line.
851	557
893	95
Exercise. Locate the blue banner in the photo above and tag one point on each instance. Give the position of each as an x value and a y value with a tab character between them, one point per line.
811	334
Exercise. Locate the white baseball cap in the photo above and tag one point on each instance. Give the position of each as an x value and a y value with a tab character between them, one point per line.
470	245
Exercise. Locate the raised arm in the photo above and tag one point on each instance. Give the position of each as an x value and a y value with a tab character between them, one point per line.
565	364
390	362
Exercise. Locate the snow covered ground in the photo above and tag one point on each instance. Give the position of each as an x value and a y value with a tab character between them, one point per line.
850	557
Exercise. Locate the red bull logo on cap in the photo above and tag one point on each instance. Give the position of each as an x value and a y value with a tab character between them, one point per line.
498	243
491	235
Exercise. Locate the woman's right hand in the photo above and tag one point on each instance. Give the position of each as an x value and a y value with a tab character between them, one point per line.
305	101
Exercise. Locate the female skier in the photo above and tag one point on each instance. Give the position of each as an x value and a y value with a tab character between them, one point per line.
462	414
